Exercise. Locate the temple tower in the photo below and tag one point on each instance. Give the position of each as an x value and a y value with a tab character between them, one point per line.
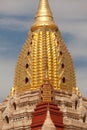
44	53
44	95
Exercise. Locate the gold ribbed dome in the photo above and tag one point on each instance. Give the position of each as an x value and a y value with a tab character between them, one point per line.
44	54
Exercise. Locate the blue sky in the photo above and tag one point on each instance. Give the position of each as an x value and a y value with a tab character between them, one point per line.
16	18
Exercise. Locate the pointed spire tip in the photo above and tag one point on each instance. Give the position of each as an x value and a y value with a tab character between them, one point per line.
43	16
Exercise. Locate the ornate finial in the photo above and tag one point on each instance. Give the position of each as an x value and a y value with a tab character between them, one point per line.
44	10
43	16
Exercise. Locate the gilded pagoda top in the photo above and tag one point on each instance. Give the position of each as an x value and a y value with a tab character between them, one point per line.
44	16
44	47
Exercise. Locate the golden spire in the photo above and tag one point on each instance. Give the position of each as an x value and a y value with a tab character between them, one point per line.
44	55
44	16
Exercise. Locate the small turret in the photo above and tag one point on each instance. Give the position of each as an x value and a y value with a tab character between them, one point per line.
48	124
